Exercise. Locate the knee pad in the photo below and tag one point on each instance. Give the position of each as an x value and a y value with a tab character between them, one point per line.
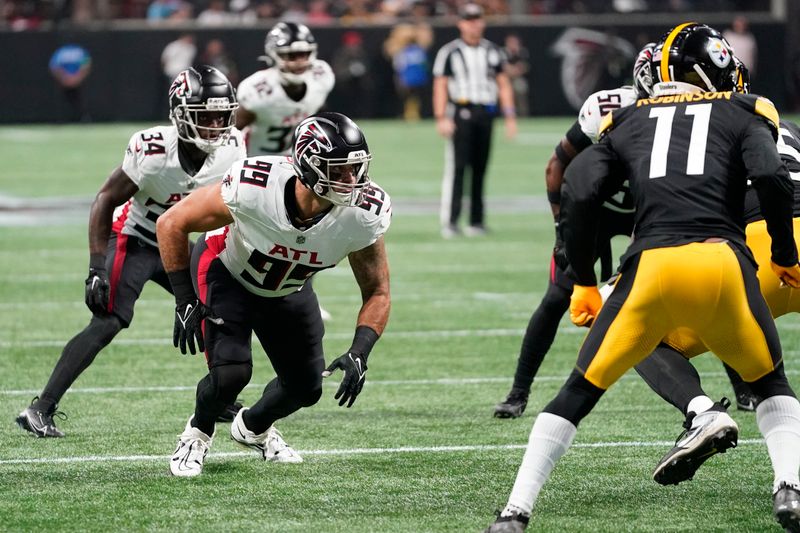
307	398
773	384
104	328
575	399
556	299
229	380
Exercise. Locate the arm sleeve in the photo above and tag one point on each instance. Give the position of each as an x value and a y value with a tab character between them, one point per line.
774	188
592	175
578	138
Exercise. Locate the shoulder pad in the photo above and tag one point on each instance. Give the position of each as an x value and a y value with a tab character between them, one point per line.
600	104
759	105
605	125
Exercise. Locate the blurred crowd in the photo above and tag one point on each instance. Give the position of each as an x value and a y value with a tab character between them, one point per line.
31	14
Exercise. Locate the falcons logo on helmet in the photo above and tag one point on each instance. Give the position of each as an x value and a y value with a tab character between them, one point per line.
180	86
311	137
587	55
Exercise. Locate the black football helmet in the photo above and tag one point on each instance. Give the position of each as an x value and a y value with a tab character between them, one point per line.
202	106
695	54
331	157
642	75
292	48
742	84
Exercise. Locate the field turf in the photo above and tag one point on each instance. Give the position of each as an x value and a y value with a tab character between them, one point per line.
419	451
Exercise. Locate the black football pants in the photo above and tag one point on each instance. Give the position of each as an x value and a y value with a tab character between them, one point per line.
468	148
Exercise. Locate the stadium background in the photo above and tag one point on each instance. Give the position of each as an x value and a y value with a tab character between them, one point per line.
126	79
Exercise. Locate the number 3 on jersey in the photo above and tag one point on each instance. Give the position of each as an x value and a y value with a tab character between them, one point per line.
701	115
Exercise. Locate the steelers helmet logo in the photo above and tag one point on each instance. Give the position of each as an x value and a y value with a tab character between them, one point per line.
718	52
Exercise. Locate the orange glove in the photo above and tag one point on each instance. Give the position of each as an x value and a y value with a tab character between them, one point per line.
584	305
788	275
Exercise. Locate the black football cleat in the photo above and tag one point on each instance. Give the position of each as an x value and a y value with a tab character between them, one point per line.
786	508
230	412
704	436
40	423
746	400
513	523
514	404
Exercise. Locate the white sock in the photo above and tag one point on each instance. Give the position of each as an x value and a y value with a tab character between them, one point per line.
778	420
699	404
550	438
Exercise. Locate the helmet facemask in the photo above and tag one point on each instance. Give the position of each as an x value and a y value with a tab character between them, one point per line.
202	106
331	157
294	61
206	125
342	181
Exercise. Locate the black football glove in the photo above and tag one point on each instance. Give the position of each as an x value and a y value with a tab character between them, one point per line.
97	289
354	366
189	317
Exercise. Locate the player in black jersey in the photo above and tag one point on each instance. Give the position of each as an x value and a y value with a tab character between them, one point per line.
615	218
688	153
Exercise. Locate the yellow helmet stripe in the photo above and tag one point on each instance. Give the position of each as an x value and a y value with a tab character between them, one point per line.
665	49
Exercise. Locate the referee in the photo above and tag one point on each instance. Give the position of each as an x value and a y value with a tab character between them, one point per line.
468	78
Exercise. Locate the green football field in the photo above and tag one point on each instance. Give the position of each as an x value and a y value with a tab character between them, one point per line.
419	451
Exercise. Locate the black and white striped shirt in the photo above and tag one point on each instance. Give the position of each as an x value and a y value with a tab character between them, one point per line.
471	71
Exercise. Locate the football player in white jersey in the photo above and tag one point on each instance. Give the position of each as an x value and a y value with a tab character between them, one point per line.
273	101
272	223
161	166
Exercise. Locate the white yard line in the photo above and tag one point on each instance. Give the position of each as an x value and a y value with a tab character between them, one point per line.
370	383
351	451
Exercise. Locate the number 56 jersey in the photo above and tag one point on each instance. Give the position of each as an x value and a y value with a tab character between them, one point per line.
263	250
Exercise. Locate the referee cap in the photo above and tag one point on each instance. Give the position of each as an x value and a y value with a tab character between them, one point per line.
471	11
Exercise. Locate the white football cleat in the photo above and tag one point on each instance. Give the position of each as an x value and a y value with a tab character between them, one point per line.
187	459
705	435
270	443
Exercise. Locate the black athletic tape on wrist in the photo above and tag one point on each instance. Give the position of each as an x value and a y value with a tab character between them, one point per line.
97	261
554	197
363	341
182	286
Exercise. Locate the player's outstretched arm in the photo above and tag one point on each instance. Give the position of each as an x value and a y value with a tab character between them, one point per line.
203	210
116	190
371	270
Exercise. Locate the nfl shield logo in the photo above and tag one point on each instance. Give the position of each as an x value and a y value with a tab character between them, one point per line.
301	239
